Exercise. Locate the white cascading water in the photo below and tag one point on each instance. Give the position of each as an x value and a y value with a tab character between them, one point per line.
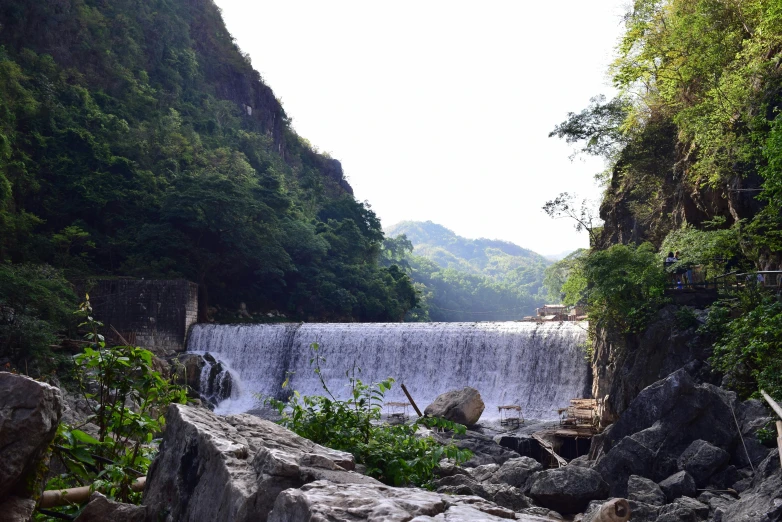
539	367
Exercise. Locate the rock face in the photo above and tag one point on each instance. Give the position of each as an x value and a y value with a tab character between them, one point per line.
679	484
232	468
623	365
644	490
484	449
660	424
702	460
568	489
325	501
464	406
29	414
762	502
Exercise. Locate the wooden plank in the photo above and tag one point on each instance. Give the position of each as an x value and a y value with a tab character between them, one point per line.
771	402
778	409
547	447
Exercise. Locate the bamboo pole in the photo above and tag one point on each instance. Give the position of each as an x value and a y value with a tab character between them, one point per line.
778	409
81	495
616	510
404	389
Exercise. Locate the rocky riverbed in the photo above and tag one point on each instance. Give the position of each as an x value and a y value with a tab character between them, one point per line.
681	451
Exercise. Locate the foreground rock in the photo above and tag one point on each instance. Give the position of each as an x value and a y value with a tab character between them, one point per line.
464	406
101	509
569	489
484	449
325	501
762	502
232	468
29	414
661	424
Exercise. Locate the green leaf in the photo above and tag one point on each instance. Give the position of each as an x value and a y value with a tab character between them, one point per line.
84	437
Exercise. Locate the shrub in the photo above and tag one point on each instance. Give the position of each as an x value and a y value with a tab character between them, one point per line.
397	455
749	347
127	398
623	286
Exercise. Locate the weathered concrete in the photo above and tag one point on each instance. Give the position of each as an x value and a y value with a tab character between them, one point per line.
156	313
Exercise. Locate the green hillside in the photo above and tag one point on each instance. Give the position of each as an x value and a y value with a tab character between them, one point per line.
137	140
468	279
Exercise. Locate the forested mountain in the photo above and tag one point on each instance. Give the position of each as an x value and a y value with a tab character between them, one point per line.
464	279
694	137
137	140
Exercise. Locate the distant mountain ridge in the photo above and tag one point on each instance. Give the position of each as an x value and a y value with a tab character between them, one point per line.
500	260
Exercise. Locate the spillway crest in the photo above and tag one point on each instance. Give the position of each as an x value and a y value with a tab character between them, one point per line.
539	367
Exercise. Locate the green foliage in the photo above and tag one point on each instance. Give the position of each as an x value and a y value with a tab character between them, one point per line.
696	133
711	249
598	127
128	399
623	286
748	349
558	273
126	149
394	454
35	305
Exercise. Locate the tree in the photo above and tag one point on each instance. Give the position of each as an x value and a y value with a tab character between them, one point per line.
567	206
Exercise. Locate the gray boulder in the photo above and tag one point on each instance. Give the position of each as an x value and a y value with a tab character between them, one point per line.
232	468
464	406
15	509
750	453
501	494
101	509
702	460
484	449
679	484
683	509
324	501
516	472
568	489
29	414
660	424
762	502
642	489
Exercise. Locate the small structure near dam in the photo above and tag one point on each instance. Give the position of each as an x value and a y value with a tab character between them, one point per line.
155	314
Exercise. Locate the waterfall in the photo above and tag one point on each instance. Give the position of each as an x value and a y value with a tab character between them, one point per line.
537	366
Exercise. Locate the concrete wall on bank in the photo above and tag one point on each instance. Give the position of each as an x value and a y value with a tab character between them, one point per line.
154	314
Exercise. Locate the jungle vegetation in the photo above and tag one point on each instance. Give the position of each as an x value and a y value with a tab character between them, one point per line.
693	145
137	140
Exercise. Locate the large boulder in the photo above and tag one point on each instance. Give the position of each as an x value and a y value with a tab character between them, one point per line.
679	484
660	424
484	449
683	509
501	494
642	489
702	460
101	509
326	501
516	472
568	489
762	502
29	414
232	468
464	406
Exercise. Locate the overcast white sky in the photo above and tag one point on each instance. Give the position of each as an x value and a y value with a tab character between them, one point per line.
440	110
